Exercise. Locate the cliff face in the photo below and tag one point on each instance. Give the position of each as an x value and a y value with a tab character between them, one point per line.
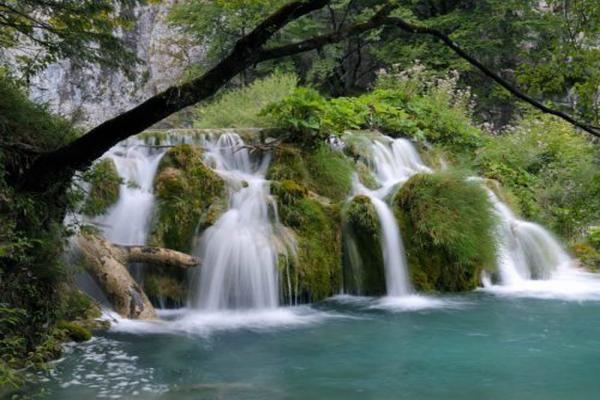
89	96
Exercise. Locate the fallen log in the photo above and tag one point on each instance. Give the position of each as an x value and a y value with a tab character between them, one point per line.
107	263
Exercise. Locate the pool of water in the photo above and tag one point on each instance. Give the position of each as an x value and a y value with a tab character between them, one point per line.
474	346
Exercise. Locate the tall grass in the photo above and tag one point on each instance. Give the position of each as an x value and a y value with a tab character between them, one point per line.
241	108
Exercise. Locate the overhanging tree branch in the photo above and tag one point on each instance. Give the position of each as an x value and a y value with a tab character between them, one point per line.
80	153
411	28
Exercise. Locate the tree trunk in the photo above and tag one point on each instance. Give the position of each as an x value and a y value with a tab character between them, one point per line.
107	265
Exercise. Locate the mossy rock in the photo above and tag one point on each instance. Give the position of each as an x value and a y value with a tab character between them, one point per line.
74	331
186	190
364	270
449	229
316	269
322	170
105	184
288	164
330	173
166	288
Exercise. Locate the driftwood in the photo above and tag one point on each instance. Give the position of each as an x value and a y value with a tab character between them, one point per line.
107	263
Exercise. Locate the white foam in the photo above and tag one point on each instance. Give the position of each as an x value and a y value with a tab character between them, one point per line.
568	284
414	302
187	321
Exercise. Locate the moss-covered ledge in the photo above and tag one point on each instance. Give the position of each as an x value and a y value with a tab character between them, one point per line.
315	270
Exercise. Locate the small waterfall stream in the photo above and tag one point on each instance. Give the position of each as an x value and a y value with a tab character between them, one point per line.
527	251
394	163
239	259
127	222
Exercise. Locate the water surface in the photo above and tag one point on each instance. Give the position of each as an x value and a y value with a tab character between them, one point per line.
474	346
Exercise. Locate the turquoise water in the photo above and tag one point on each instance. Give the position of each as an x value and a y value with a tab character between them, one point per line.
475	346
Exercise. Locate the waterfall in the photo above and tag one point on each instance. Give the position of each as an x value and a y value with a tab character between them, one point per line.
239	258
526	250
127	222
394	162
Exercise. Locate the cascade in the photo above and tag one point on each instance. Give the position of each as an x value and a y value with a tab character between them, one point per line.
127	222
238	253
394	162
526	250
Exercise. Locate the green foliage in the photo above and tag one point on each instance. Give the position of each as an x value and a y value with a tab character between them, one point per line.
300	116
439	113
241	108
26	124
449	228
105	184
551	169
548	47
185	189
81	31
364	272
220	23
32	234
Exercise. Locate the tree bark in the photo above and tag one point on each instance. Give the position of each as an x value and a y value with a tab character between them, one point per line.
107	265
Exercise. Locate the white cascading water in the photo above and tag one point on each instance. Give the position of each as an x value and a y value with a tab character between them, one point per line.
238	253
527	251
394	163
127	222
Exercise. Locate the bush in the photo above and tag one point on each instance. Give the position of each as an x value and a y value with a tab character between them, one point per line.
551	169
240	108
448	224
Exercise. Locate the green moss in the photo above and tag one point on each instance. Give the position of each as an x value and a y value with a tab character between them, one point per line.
104	183
330	172
186	190
364	271
74	331
288	164
448	226
321	170
315	271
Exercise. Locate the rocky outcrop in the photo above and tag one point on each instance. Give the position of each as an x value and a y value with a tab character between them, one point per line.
92	95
